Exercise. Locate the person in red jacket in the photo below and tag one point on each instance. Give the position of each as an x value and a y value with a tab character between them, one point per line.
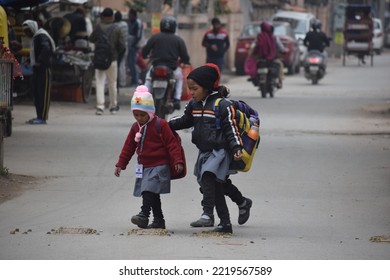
155	145
216	41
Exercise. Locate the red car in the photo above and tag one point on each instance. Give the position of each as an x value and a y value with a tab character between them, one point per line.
286	35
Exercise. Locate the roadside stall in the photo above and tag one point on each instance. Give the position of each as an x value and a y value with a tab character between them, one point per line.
72	69
358	33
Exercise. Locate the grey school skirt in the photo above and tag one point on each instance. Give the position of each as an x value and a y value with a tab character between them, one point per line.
154	179
216	161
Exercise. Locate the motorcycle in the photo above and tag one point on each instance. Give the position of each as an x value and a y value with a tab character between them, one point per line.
267	75
163	88
315	66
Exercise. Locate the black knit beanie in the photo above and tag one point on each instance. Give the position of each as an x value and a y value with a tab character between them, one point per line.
207	76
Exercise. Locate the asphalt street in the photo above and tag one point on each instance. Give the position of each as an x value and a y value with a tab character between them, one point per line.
320	182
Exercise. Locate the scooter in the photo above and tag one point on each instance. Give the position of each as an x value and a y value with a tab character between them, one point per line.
267	77
315	66
163	89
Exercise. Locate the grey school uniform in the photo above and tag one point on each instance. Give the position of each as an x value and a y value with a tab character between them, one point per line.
155	179
216	161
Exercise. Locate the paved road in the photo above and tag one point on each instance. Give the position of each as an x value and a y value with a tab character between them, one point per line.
320	180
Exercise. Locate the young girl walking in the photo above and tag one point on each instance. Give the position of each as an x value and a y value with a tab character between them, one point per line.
155	145
217	147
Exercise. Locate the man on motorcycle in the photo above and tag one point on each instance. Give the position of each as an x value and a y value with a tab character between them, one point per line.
317	40
166	48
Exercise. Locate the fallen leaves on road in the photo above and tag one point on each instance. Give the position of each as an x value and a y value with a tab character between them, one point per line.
72	230
380	238
210	233
150	231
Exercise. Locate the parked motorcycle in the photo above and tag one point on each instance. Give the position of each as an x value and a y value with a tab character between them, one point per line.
163	88
267	75
315	66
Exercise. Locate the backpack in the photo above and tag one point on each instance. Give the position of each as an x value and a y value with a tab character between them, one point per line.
248	123
172	170
102	58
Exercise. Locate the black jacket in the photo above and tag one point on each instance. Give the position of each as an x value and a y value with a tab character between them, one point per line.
166	49
43	51
316	40
205	134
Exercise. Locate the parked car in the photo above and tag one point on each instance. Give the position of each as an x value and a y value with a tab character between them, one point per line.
248	34
378	39
281	29
300	23
291	57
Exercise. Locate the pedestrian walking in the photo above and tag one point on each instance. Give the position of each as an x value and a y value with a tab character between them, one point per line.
122	57
216	41
136	31
41	53
115	46
155	144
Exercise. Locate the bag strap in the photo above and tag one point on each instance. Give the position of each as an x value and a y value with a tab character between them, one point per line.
217	113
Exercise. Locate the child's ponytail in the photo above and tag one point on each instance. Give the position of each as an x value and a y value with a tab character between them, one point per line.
223	91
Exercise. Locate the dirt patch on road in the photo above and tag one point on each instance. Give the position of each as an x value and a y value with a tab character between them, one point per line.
13	185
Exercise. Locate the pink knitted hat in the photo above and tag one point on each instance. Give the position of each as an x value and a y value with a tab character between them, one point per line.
143	101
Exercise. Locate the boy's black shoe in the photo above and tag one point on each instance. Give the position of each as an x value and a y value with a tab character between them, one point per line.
204	221
223	228
157	223
244	212
140	220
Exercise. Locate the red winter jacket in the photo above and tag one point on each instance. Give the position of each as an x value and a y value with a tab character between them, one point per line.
157	147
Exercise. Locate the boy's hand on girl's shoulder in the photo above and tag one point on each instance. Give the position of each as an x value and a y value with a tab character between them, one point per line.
238	155
117	171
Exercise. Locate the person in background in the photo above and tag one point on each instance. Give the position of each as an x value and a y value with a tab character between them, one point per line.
122	57
117	41
265	43
167	48
136	31
41	52
280	49
154	149
216	41
78	32
317	40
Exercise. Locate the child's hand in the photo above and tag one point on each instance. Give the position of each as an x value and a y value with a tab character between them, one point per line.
238	155
179	168
117	171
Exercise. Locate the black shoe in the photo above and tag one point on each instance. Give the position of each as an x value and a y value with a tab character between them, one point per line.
157	223
244	212
176	104
140	220
203	222
223	228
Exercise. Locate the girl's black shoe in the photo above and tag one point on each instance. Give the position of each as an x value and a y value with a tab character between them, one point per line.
140	220
157	223
224	228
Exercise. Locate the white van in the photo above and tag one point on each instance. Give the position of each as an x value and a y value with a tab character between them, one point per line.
300	22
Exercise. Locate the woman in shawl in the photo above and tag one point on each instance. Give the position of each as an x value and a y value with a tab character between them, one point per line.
266	43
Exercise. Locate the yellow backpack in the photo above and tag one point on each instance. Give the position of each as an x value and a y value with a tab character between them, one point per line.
248	122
